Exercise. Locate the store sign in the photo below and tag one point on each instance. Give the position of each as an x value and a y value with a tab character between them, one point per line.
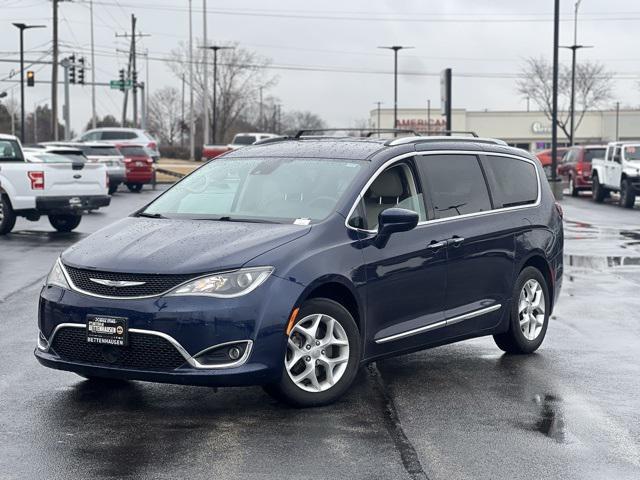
421	125
539	127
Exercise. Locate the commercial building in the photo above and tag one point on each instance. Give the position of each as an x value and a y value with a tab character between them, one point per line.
528	130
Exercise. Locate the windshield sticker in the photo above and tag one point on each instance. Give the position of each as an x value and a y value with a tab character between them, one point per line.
302	221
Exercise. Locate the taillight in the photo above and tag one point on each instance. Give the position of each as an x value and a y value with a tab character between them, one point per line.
127	160
149	160
152	145
579	169
559	209
106	176
37	180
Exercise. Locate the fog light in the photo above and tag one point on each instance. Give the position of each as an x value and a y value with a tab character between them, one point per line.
234	353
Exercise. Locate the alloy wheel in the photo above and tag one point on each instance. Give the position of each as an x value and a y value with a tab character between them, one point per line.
317	353
1	210
531	309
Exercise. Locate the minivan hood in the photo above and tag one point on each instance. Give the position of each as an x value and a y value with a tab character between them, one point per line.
163	246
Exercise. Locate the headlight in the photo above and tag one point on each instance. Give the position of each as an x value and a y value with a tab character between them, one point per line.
226	285
56	277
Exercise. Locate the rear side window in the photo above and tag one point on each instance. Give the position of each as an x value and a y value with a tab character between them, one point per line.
455	184
513	182
591	153
116	135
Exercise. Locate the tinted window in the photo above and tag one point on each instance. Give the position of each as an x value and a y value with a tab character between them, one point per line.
244	140
592	153
116	135
395	187
133	151
10	151
512	181
100	151
455	185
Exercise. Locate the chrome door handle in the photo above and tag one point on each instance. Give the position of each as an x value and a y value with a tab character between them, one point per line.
436	245
456	241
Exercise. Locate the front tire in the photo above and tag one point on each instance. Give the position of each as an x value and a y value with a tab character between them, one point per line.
134	187
7	215
627	194
598	192
529	315
322	356
65	223
113	188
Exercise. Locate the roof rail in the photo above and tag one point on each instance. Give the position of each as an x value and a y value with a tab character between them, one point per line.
370	131
443	138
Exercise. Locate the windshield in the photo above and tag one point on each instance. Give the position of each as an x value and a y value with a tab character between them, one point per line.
10	151
632	152
591	153
244	140
281	190
100	151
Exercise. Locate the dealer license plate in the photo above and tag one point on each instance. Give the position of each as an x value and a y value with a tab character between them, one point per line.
106	330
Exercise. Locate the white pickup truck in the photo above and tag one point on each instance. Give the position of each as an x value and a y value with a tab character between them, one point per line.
60	188
618	171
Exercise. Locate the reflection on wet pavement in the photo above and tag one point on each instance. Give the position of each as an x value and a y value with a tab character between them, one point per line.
551	421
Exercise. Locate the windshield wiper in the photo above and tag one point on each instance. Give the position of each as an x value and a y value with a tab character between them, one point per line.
150	215
227	218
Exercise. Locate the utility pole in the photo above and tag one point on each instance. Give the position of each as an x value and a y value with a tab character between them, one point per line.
396	49
182	117
54	74
205	87
143	106
557	191
93	72
617	121
378	103
215	49
132	73
67	64
22	27
192	123
428	116
35	123
260	122
574	48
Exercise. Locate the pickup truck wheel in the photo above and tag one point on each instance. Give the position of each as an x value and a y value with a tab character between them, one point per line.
572	187
598	192
134	187
65	223
627	194
113	188
7	215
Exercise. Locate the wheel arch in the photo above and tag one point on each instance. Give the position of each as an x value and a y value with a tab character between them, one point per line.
540	263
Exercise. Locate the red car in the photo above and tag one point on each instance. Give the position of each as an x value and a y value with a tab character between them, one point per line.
545	159
575	166
138	166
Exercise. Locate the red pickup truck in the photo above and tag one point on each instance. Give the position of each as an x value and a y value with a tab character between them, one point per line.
138	165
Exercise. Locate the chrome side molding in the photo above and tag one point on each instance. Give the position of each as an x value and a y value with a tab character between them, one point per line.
437	325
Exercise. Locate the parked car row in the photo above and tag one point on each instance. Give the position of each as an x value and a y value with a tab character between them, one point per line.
64	180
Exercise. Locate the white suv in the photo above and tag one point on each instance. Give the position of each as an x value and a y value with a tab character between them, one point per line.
123	135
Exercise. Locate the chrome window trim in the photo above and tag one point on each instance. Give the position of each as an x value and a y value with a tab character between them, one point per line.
398	158
75	288
440	324
188	358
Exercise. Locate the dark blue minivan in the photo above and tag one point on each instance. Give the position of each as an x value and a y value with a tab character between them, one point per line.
291	263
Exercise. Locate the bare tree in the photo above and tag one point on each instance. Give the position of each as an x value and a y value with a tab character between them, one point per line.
164	114
241	73
299	120
594	87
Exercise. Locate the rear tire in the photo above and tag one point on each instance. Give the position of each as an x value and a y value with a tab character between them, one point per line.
65	223
627	194
326	342
572	187
134	187
7	215
529	315
598	192
113	188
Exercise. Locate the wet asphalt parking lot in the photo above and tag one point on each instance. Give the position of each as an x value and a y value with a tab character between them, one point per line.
463	411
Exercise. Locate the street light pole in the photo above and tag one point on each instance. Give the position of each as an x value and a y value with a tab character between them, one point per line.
554	100
205	86
214	123
22	27
396	49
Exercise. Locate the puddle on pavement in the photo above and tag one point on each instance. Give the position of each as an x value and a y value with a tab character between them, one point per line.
551	418
603	247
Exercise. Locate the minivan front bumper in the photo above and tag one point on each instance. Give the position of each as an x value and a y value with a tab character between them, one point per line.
168	333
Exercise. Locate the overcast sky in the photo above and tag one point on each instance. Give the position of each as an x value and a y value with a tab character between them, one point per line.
484	41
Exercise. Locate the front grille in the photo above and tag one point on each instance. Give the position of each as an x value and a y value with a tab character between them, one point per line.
144	352
154	284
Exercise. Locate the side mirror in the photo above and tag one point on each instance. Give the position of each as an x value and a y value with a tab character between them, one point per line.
393	220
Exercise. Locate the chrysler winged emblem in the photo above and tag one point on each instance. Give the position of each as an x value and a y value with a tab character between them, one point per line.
116	283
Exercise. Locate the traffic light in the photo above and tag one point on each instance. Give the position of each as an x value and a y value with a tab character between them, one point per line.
134	79
72	69
81	71
31	78
122	79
